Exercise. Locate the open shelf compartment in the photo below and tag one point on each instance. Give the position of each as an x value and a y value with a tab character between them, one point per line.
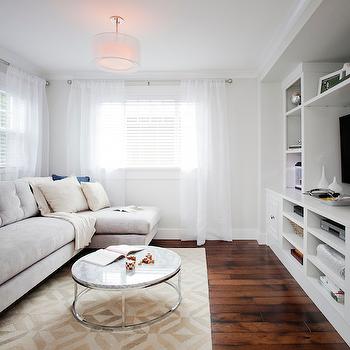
313	274
293	124
287	246
288	212
294	170
331	239
340	282
294	88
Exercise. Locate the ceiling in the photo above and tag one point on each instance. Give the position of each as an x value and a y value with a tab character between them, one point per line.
324	38
175	35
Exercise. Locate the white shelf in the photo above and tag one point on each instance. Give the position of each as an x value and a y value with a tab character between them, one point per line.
337	214
297	219
338	95
295	150
294	261
317	284
340	282
328	238
294	112
294	240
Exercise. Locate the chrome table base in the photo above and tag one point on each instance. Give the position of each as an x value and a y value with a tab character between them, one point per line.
124	325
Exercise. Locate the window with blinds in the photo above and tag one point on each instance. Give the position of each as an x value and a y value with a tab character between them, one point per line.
3	126
146	133
153	133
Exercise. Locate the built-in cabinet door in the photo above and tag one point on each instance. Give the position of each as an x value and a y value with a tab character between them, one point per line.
273	207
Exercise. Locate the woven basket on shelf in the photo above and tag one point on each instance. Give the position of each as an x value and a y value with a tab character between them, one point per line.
297	229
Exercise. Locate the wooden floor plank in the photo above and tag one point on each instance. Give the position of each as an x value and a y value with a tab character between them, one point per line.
256	304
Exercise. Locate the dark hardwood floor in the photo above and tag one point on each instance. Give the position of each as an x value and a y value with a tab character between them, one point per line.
256	304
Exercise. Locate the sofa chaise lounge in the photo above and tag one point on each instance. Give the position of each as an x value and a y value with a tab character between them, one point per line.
32	247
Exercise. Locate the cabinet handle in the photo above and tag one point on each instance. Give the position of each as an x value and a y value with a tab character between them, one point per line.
272	217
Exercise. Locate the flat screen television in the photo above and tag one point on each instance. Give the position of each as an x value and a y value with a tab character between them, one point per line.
345	147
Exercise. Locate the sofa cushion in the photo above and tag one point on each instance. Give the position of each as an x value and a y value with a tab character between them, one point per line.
95	195
79	178
25	242
16	202
34	183
64	195
109	221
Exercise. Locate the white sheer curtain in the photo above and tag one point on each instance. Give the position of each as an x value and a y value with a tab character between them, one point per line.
27	130
96	134
205	201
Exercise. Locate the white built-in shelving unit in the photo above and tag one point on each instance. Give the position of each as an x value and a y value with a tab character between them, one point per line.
315	122
281	237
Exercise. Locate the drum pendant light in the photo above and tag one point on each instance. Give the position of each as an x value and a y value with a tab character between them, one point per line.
116	52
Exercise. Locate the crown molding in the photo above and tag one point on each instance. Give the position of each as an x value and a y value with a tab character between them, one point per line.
20	62
286	34
154	75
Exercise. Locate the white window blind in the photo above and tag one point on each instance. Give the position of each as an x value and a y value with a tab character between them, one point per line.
153	133
3	126
145	133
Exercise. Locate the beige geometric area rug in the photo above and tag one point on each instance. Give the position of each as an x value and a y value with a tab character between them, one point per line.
43	319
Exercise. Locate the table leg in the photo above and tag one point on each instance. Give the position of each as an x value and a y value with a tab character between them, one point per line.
123	309
179	283
75	291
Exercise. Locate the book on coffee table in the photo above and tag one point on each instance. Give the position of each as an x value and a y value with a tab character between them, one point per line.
103	257
128	209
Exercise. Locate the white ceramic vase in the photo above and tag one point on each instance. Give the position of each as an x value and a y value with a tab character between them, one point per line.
323	183
334	186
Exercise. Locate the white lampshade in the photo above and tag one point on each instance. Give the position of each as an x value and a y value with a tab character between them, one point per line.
116	52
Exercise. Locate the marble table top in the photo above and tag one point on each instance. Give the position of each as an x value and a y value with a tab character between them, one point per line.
114	276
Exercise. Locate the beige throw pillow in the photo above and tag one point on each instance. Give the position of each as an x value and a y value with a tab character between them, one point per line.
96	195
65	195
34	183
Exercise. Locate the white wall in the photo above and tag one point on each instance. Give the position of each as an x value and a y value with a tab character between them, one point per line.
20	62
162	188
271	141
244	154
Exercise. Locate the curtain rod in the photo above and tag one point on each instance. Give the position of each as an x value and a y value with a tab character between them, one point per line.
227	81
4	62
8	64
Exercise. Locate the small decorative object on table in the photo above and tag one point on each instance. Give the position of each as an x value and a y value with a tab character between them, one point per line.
131	257
148	259
130	265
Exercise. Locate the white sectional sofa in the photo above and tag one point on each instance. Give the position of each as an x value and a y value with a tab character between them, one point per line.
32	247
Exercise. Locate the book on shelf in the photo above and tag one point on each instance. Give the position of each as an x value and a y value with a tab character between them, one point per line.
103	257
298	255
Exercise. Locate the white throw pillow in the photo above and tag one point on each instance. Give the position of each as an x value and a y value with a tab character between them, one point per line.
34	183
65	195
96	195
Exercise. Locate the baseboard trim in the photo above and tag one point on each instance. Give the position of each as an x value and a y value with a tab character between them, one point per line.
168	233
237	234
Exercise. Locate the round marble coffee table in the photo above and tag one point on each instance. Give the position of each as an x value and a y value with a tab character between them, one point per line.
114	277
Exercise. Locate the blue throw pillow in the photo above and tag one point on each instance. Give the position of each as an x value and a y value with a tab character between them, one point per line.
79	178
